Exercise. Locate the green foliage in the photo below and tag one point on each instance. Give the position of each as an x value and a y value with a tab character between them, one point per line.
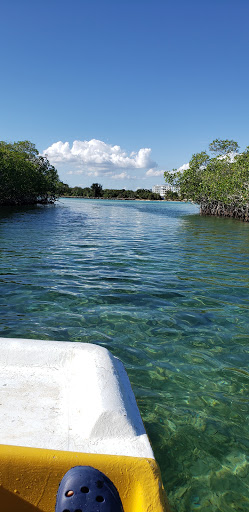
96	191
25	177
223	147
109	193
77	191
63	189
171	196
224	178
143	193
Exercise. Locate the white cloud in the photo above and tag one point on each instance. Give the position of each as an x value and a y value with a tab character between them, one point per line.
95	156
120	176
183	167
153	172
229	156
87	173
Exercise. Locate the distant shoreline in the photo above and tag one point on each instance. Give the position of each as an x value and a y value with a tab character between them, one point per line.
123	199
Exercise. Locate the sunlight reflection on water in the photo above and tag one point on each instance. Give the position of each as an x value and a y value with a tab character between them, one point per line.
164	289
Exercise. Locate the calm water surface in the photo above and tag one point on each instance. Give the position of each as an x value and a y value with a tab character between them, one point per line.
164	289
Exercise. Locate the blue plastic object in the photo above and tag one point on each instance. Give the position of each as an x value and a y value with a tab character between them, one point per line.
86	489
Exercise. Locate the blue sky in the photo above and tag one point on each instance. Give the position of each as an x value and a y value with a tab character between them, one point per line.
117	91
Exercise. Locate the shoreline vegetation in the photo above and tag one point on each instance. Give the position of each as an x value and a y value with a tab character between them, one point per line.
121	198
25	176
96	191
219	183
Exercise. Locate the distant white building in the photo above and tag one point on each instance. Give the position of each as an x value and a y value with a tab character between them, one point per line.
162	189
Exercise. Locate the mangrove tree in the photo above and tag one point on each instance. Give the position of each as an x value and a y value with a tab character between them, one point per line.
26	177
218	182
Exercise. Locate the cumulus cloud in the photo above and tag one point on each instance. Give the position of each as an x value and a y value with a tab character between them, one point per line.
95	156
153	172
183	167
120	176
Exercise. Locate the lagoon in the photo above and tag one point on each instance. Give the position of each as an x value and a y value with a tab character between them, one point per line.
166	290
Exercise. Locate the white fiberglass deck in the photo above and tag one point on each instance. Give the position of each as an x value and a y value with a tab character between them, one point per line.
68	396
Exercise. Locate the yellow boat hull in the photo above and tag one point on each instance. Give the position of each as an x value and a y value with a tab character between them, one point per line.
30	477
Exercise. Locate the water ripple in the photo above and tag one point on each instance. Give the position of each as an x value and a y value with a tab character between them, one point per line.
166	291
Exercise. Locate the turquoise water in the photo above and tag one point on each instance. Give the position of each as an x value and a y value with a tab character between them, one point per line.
164	289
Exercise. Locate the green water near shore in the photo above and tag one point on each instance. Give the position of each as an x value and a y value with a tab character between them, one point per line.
164	289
